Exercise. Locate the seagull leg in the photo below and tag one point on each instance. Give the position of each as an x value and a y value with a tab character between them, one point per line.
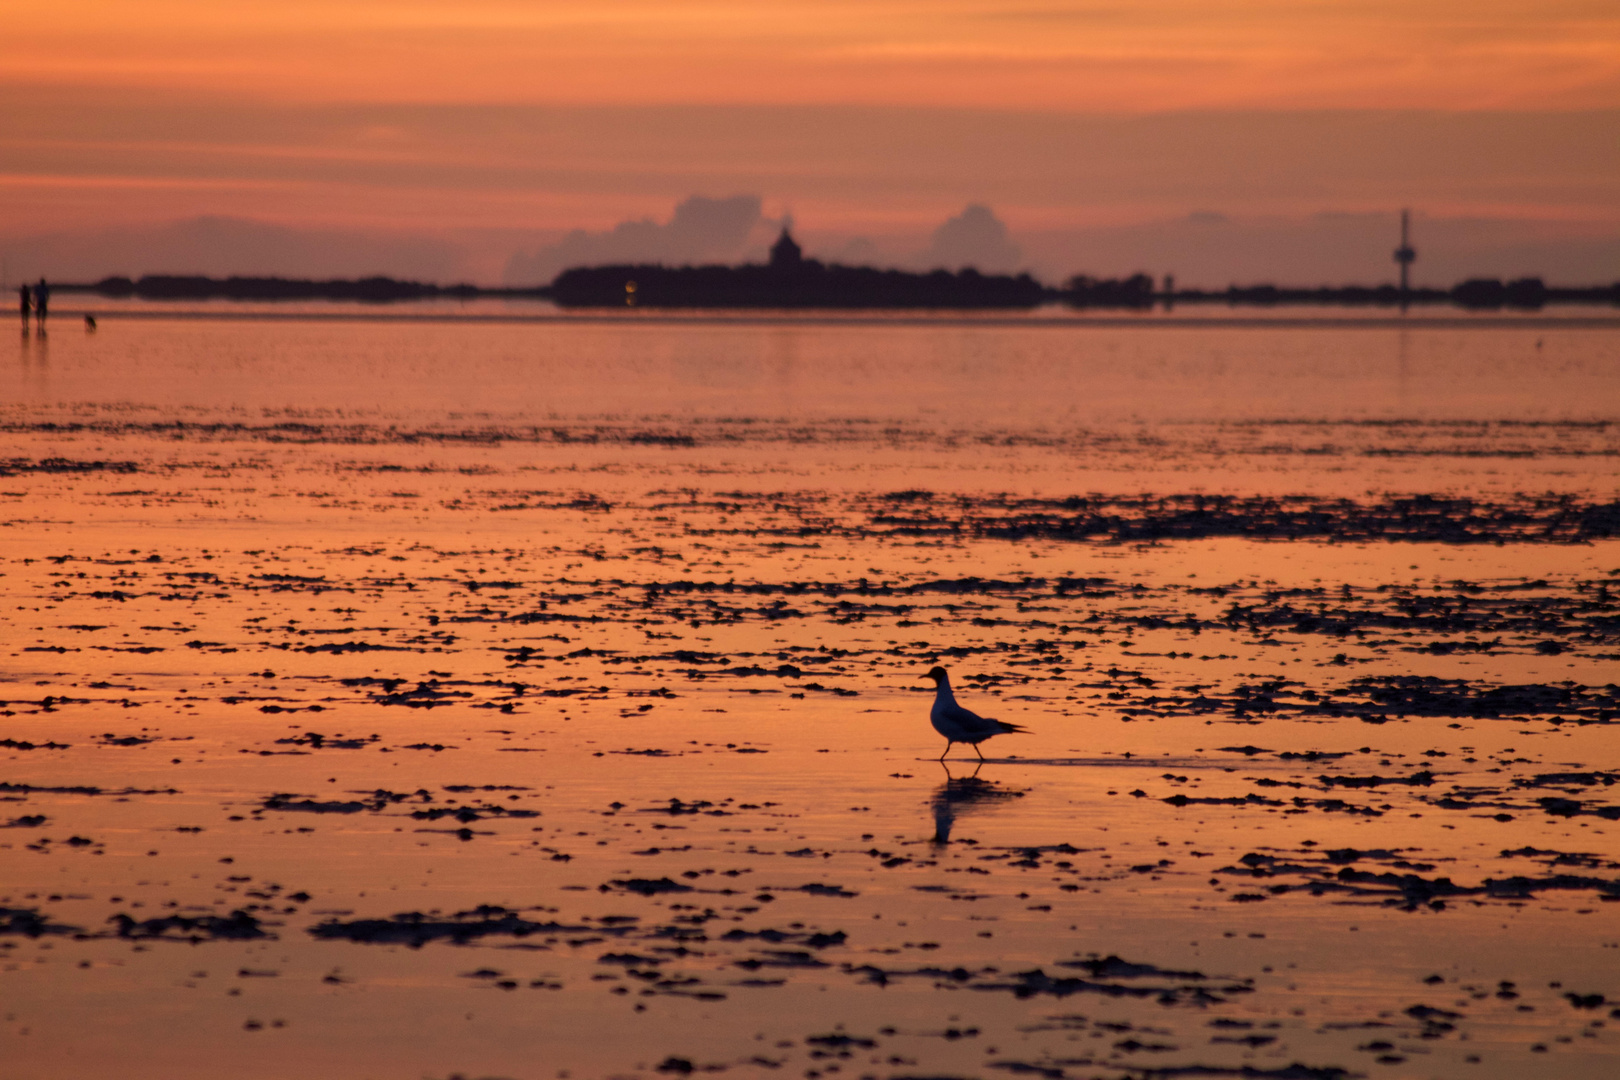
948	744
976	750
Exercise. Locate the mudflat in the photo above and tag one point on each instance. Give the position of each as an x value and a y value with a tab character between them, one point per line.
547	701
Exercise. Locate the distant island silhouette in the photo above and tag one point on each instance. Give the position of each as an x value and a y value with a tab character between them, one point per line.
789	280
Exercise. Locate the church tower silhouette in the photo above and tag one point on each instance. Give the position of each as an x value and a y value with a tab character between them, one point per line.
786	253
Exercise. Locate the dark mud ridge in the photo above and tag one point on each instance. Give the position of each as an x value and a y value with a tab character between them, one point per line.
416	929
1422	518
237	926
1335	874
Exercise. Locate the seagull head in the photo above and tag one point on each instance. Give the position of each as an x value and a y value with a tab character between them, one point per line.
937	674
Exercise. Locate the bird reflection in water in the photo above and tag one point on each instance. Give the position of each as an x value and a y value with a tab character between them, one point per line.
960	795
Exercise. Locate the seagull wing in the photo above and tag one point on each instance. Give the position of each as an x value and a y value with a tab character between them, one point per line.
971	723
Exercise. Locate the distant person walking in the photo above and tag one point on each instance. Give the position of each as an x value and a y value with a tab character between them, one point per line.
42	302
23	300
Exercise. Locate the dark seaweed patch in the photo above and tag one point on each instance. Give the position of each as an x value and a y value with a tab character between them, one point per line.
646	886
237	926
26	821
26	922
20	466
416	929
82	789
1404	885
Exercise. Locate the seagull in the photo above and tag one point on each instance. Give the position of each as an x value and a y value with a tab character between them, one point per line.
956	723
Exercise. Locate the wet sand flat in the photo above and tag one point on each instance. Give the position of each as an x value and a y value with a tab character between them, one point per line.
513	701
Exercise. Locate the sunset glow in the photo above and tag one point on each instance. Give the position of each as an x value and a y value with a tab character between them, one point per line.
522	519
1164	55
866	120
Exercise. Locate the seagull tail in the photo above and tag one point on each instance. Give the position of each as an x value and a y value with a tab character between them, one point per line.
1010	729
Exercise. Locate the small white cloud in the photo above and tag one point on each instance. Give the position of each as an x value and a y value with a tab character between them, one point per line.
976	238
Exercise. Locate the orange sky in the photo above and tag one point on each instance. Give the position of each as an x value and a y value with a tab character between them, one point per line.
859	115
1041	54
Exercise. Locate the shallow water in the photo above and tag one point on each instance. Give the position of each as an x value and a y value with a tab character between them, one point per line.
392	699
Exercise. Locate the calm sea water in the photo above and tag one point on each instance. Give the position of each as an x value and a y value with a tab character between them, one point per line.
392	698
970	373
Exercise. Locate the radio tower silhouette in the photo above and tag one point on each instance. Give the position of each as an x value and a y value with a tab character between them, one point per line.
1405	255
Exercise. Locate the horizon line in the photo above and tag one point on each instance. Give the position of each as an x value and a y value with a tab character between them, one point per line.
832	317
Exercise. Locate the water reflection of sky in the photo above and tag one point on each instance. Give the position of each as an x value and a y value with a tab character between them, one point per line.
586	657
